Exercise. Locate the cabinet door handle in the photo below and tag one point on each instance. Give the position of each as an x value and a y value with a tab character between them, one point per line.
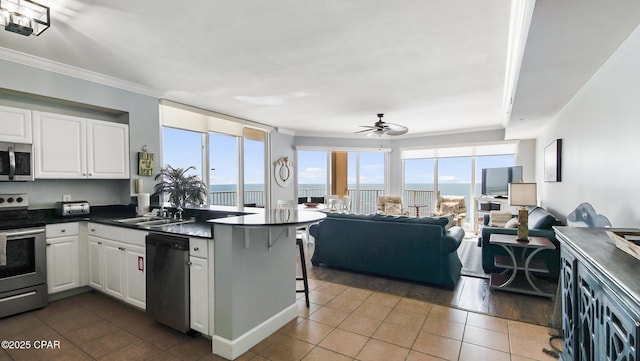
196	248
63	230
48	244
121	248
93	229
99	242
189	263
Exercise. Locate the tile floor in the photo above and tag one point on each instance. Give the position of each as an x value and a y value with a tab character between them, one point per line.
343	323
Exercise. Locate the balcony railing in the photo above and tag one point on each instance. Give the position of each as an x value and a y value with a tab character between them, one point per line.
229	198
422	202
417	202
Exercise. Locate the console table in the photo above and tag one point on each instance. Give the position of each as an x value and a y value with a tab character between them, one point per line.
521	257
600	296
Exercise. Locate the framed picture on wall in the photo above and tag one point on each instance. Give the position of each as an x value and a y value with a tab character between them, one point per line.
552	161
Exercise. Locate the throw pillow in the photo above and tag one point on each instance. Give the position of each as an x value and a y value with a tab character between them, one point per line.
499	218
512	223
449	207
392	209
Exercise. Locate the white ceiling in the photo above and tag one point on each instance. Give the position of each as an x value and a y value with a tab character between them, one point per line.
325	67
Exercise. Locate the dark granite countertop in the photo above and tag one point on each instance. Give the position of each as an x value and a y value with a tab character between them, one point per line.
110	215
272	217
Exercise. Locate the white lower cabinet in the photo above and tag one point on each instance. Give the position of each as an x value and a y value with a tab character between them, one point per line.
199	285
199	294
96	262
113	268
63	258
117	262
134	276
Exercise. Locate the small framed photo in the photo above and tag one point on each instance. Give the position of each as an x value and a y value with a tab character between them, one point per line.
552	161
145	163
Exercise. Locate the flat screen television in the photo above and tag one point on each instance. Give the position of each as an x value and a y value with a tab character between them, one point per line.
495	181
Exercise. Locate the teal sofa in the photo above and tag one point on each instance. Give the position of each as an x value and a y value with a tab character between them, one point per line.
415	249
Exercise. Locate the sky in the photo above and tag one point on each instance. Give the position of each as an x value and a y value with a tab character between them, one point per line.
182	149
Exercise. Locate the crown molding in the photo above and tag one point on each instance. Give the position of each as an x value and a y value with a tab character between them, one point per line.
83	74
519	23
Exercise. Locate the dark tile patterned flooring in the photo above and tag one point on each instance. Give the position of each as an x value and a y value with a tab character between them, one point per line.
92	326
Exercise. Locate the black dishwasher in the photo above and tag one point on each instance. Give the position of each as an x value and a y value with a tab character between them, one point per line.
168	280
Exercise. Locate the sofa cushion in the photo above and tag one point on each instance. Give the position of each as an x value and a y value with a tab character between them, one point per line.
541	219
499	218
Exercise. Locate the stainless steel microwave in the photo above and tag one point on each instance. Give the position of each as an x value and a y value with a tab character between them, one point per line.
16	162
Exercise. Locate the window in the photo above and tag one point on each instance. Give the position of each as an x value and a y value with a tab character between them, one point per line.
217	147
182	149
454	178
366	180
223	168
453	170
254	175
312	174
359	174
419	185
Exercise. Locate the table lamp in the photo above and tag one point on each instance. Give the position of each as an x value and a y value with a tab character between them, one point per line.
523	194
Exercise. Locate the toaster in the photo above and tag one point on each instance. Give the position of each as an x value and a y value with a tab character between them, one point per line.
76	208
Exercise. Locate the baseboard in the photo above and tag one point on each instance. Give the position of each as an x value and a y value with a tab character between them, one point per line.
69	293
231	349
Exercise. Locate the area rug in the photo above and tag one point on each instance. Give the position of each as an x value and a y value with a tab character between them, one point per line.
471	257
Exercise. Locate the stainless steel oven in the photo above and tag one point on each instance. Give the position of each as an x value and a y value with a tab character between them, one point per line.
23	263
16	162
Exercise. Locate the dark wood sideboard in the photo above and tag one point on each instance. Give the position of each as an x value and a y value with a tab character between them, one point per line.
600	296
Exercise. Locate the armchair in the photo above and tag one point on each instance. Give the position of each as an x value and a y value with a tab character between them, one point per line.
454	205
390	206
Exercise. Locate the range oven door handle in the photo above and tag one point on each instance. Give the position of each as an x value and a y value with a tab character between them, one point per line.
12	163
30	232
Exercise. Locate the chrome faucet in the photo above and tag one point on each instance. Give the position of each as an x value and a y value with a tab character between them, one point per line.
178	214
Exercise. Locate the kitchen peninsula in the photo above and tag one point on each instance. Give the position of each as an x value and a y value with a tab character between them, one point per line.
254	277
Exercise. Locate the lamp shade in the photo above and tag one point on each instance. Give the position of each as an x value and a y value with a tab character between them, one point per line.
523	194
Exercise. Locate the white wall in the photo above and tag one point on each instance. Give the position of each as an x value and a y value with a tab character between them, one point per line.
600	132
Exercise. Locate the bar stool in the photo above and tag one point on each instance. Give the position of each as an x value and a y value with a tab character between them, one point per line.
303	265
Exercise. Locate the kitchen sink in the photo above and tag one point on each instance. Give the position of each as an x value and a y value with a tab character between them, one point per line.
149	221
138	220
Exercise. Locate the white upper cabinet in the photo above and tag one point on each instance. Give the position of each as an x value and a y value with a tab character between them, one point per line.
59	146
107	149
72	147
15	125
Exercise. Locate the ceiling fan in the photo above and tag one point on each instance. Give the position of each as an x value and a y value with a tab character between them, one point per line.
381	128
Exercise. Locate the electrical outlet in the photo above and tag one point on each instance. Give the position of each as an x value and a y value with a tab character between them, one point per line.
66	198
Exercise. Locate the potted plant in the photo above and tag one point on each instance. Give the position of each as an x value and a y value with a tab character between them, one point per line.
182	189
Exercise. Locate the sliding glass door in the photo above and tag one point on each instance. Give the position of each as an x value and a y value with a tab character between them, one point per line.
312	174
419	185
223	164
454	179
